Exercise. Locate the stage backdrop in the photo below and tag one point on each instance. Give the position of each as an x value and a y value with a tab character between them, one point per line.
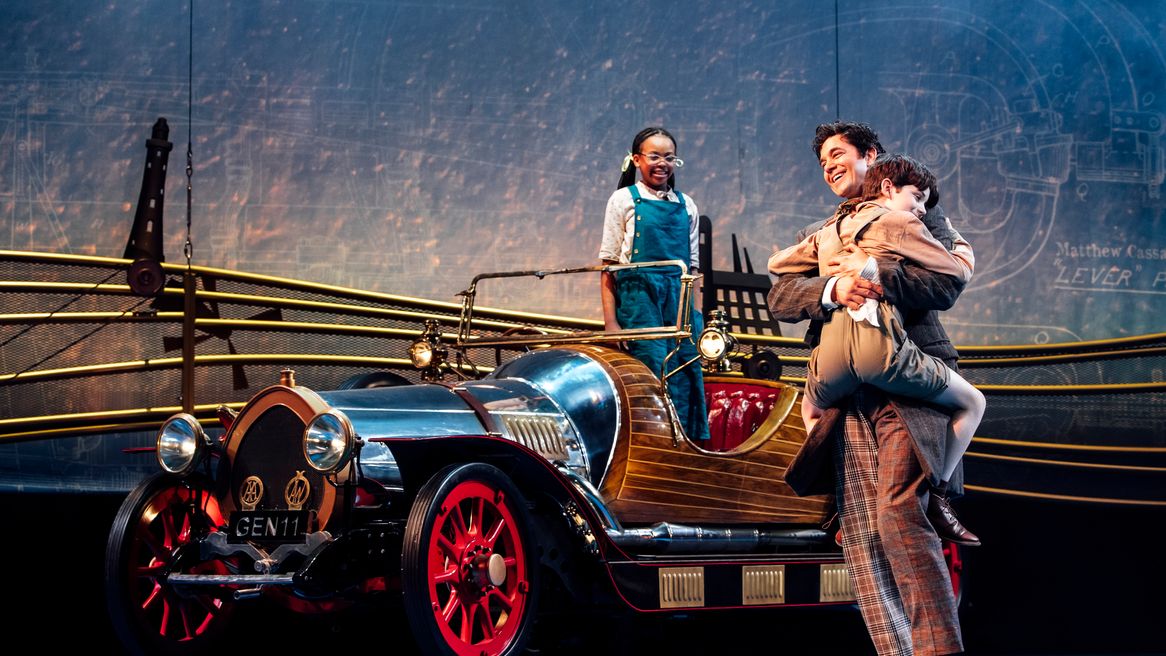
404	146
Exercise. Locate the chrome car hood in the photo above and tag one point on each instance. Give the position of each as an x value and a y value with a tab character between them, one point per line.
583	390
559	403
405	411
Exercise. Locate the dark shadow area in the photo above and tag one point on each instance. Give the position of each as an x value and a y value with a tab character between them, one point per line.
1056	577
1051	578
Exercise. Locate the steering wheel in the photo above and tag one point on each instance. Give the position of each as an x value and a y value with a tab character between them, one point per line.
515	330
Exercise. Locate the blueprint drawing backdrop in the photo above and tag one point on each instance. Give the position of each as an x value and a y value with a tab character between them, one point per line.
404	146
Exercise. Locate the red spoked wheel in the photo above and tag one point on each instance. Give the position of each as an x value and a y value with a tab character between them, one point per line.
955	568
468	565
155	533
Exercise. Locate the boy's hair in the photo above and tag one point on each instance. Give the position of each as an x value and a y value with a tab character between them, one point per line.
860	135
628	177
900	170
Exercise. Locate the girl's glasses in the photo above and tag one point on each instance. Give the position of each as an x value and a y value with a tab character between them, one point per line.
656	158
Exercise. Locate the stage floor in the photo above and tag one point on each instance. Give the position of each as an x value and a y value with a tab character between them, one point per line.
1095	591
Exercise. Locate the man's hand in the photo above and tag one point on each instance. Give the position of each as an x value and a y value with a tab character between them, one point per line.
848	261
852	291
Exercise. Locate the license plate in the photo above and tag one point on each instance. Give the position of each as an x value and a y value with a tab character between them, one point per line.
268	525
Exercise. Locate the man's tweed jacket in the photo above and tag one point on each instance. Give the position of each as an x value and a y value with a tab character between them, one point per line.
918	294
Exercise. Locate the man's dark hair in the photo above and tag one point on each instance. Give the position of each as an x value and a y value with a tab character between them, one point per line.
900	170
860	135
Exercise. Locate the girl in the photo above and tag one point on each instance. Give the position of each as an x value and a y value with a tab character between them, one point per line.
649	220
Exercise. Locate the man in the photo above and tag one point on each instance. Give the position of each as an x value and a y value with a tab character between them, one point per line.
886	452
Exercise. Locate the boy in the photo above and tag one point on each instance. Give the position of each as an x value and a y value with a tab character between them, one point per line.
869	345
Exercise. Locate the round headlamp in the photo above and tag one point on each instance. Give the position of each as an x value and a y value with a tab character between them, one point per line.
427	352
421	353
181	443
328	441
714	344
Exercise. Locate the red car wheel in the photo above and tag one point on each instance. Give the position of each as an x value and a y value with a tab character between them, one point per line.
955	569
468	564
153	534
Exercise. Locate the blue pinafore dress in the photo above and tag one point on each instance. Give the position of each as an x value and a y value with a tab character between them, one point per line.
650	297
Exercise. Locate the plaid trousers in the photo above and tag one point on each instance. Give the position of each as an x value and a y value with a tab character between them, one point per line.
894	556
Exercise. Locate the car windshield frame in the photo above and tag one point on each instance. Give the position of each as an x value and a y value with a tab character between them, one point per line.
681	329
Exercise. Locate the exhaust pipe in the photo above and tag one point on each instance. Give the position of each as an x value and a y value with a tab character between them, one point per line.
665	538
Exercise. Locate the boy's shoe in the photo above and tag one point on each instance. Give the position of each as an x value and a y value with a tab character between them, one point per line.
946	524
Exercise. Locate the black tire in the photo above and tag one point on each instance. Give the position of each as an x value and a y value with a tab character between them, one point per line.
762	365
453	597
157	522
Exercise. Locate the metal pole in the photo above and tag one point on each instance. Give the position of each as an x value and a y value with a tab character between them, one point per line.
189	310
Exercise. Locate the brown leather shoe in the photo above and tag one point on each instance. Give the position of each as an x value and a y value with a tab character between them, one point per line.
947	525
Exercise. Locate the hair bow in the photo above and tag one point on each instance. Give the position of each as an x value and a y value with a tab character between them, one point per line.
627	161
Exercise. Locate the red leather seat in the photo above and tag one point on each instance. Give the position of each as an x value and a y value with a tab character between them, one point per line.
735	410
718	408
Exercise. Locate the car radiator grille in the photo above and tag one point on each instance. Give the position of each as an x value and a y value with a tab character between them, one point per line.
271	454
539	433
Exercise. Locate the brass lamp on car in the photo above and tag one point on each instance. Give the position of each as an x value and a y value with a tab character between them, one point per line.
716	343
427	352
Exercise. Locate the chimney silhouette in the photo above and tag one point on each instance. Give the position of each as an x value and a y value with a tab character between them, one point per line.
144	247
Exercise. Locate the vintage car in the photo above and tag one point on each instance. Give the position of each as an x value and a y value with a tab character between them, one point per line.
561	473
